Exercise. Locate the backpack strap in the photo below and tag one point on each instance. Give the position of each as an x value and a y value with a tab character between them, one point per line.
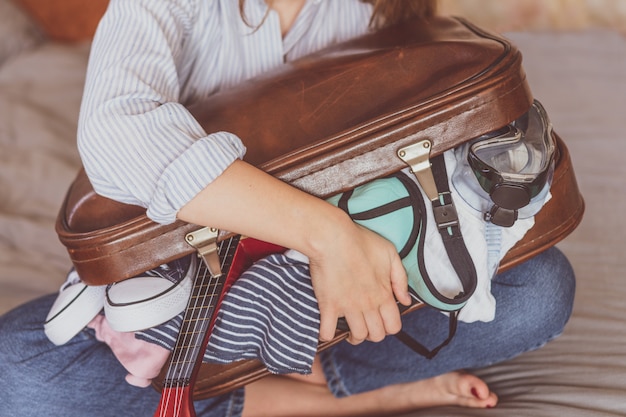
450	230
447	224
447	221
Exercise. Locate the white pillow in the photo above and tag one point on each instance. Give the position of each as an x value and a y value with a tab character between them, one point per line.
17	31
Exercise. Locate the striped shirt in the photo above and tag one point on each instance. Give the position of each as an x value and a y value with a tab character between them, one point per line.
139	145
150	59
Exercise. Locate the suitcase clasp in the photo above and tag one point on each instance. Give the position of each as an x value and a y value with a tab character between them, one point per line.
417	157
205	242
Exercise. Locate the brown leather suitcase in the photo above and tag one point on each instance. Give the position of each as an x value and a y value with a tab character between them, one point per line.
345	114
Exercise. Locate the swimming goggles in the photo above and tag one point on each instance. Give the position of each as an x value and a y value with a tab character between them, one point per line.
512	165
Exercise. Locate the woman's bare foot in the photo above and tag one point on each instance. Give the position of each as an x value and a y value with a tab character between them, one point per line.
454	388
283	396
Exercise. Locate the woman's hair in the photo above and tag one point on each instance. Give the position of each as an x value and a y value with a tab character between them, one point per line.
387	12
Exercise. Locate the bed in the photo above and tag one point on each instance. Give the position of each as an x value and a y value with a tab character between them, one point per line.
579	75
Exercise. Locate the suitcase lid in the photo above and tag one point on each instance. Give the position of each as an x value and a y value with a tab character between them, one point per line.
350	107
441	79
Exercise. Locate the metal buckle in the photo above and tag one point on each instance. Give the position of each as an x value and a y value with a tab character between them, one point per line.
445	216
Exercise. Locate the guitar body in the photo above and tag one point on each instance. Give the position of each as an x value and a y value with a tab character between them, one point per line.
176	402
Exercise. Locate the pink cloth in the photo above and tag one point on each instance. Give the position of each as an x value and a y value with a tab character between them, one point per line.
142	360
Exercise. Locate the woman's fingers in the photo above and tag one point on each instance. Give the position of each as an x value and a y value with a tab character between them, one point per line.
359	278
374	325
391	317
371	324
328	326
400	282
358	328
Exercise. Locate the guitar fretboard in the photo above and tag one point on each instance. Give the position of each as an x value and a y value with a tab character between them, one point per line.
199	315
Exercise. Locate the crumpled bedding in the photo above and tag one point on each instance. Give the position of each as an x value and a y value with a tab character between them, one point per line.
40	93
580	77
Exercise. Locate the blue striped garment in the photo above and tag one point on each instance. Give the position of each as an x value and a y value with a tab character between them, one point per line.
270	313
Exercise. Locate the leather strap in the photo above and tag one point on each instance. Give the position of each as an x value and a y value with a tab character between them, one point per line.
450	231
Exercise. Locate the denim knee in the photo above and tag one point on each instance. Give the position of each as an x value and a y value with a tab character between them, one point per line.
80	378
17	327
545	298
560	288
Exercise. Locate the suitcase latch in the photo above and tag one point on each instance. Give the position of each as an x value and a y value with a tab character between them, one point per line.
417	157
205	242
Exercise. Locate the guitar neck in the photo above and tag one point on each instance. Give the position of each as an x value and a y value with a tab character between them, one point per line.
198	320
196	325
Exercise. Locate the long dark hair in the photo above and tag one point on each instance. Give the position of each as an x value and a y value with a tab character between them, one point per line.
388	12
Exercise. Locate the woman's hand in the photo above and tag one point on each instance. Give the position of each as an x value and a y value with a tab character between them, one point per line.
356	276
355	272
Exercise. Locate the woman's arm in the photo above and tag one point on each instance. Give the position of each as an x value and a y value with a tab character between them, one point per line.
355	272
138	142
141	146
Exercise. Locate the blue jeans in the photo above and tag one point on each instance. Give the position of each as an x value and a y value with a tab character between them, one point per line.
83	378
534	302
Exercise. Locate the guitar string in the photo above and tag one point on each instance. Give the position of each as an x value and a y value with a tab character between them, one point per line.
207	299
173	392
190	357
173	376
176	391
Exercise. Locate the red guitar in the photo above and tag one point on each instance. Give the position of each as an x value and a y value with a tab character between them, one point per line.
223	264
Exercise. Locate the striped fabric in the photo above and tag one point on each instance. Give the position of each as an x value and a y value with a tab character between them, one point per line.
270	314
138	143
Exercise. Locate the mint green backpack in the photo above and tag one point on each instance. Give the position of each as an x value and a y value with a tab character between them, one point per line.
394	208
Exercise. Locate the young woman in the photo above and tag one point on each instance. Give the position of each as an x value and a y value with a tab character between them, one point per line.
139	145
